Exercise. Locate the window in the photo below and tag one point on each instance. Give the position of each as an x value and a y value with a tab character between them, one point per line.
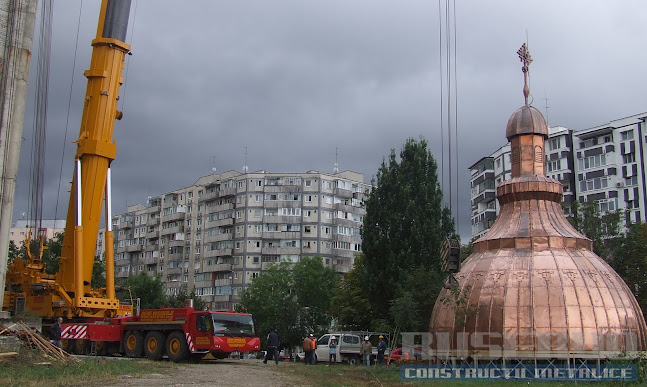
629	158
554	143
256	259
239	199
240	184
592	184
258	213
257	198
308	198
327	230
554	165
592	161
308	183
237	245
257	228
306	213
628	135
259	183
307	229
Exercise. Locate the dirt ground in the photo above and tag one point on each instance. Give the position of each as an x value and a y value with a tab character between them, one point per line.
248	372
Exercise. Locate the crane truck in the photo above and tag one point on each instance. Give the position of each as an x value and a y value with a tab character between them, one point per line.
95	320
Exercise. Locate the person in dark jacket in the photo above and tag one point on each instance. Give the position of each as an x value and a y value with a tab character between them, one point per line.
381	348
55	332
272	347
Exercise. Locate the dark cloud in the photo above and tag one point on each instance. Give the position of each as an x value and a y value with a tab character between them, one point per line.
294	80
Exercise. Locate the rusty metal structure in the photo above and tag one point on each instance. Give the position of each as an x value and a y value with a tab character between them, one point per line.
533	289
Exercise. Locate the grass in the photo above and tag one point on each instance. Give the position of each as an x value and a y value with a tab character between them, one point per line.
345	375
24	370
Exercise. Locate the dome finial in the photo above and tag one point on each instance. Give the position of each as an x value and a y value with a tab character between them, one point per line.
526	59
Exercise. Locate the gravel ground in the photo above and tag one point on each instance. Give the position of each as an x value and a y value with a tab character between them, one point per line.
248	372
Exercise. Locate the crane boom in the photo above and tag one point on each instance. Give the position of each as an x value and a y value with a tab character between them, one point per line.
69	293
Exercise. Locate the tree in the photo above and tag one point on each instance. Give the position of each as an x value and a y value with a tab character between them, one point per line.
150	290
293	299
98	274
179	300
271	300
630	262
53	249
601	228
404	226
314	286
351	307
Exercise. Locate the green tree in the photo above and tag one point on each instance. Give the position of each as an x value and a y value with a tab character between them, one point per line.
293	299
150	290
270	298
179	300
314	286
53	249
404	226
351	307
98	273
601	228
630	262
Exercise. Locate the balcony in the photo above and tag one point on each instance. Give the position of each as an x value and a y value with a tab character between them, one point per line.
488	194
123	274
219	237
281	235
347	238
221	298
153	209
203	284
218	267
151	260
218	253
281	219
175	257
172	230
282	203
345	222
222	282
152	235
176	216
208	197
221	222
223	207
154	247
132	248
344	253
344	193
174	271
280	250
282	188
176	243
343	268
153	222
126	224
347	208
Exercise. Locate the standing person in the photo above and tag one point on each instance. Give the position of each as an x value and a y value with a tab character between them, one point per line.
332	350
313	355
272	347
365	350
55	332
307	348
381	348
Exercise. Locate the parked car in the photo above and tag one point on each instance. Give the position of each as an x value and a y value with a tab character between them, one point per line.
407	354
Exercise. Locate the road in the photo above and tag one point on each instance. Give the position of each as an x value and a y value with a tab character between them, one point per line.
229	373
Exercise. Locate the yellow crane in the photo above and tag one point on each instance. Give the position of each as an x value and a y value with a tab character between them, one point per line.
68	293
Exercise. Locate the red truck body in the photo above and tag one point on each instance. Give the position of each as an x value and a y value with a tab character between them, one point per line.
175	332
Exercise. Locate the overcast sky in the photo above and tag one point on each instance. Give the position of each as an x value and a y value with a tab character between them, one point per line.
293	80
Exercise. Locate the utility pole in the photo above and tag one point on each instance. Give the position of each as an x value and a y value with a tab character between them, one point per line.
15	55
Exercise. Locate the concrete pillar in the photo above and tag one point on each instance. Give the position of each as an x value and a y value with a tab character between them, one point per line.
16	33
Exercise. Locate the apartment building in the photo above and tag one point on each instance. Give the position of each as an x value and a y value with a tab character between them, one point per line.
217	235
604	164
48	228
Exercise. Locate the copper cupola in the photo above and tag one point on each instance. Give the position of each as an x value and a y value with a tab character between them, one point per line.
533	287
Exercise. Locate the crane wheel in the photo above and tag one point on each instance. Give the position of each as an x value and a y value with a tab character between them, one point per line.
176	346
81	346
66	345
154	344
133	344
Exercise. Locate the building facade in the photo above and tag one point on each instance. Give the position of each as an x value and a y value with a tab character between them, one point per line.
604	164
48	228
217	235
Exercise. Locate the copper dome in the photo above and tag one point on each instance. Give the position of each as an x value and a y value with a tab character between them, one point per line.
533	287
526	120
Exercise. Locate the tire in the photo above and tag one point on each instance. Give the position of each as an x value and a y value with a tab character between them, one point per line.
176	347
154	345
352	360
81	346
66	345
133	344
